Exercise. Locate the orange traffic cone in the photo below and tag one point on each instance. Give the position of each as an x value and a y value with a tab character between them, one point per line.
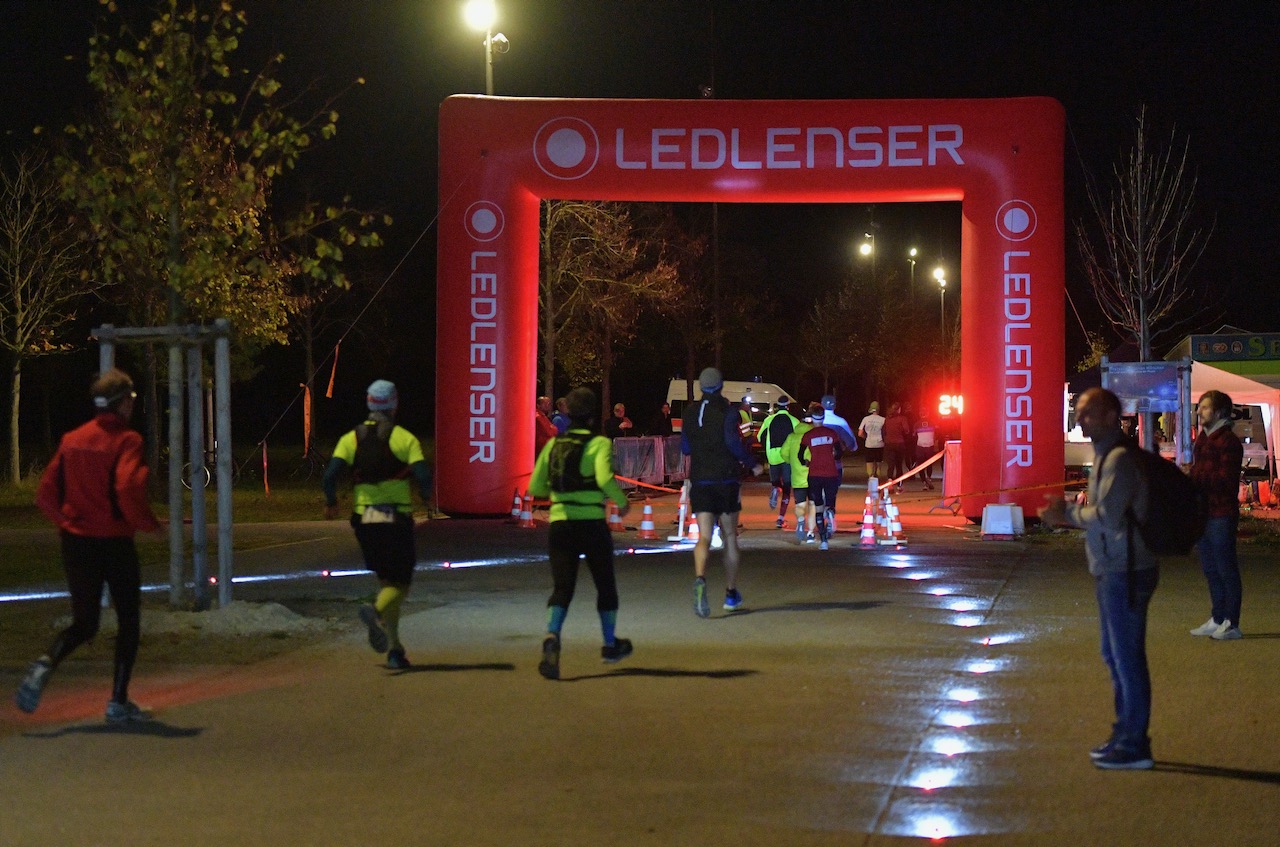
526	512
894	536
693	534
615	519
647	530
515	505
868	537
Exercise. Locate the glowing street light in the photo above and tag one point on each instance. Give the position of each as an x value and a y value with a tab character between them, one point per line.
481	15
911	257
942	301
868	248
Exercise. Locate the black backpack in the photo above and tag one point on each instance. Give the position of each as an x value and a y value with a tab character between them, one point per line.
1176	508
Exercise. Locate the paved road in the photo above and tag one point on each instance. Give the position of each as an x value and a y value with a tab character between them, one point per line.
948	690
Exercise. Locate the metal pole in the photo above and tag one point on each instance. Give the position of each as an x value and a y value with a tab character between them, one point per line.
195	445
222	388
177	556
106	349
488	61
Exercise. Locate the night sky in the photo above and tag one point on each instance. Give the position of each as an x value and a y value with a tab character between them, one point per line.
1207	70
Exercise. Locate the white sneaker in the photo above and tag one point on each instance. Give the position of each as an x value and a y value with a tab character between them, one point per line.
1209	627
1227	632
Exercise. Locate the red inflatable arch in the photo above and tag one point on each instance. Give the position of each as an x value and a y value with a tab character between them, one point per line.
1001	158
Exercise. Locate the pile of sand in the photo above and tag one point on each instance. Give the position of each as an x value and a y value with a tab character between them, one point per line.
235	619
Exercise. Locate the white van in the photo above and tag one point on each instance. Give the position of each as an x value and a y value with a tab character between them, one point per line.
761	395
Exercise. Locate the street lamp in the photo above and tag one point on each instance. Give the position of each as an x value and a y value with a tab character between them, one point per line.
868	248
942	302
911	257
481	14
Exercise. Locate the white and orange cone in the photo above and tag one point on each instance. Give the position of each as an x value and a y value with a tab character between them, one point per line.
515	505
526	512
868	537
615	519
647	530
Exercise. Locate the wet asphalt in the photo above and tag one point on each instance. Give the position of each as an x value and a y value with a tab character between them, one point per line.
946	690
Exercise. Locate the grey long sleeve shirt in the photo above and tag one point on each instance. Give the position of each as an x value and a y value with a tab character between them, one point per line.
1115	486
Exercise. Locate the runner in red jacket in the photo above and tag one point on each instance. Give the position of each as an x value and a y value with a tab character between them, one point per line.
820	449
95	491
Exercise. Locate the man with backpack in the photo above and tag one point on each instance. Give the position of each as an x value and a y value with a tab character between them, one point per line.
773	434
383	457
576	471
1125	573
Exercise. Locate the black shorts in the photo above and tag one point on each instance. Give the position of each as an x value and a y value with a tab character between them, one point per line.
718	498
872	454
800	494
388	548
780	475
823	490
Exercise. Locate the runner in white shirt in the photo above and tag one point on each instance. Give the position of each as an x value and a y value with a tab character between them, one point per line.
871	430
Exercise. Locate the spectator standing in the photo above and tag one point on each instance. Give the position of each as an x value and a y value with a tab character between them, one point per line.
820	449
662	423
898	435
95	491
871	431
1125	575
709	436
619	426
543	429
576	471
1216	461
561	416
382	456
773	434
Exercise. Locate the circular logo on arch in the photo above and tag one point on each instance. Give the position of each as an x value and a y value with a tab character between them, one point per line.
1016	220
484	220
566	148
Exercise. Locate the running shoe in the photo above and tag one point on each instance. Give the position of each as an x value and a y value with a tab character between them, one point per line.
126	712
800	533
823	545
732	600
1123	759
782	522
397	660
700	606
549	667
377	635
808	538
28	696
615	652
773	498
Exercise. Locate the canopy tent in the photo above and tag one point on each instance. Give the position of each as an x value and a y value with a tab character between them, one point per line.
1252	390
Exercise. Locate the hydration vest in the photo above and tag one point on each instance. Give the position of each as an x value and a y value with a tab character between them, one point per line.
374	461
564	465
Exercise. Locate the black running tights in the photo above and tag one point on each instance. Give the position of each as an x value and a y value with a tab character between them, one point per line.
591	538
90	563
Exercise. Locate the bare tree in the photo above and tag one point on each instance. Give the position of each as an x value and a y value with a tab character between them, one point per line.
41	279
599	270
1139	266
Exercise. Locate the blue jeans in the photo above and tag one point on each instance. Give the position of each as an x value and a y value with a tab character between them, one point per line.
1124	649
1217	548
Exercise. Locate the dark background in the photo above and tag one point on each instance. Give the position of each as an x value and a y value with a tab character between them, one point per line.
1206	70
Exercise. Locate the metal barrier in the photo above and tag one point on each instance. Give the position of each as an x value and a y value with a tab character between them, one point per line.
654	459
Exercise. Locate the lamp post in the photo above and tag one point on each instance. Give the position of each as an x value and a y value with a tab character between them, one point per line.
481	14
868	248
911	257
942	303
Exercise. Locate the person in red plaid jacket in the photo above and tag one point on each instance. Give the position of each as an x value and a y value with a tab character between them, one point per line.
1216	460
